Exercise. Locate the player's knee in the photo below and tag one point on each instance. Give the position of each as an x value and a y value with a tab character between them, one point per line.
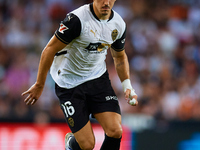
87	145
114	132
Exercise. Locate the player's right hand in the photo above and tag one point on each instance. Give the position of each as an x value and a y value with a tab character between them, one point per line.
34	92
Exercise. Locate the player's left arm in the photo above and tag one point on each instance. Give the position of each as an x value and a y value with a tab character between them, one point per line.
122	67
121	64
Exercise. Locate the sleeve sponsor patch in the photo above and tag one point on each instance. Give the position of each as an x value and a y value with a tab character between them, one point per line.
69	29
62	28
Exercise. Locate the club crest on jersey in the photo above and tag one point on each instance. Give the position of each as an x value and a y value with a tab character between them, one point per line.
114	34
62	28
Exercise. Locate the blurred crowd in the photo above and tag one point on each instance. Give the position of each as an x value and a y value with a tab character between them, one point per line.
162	44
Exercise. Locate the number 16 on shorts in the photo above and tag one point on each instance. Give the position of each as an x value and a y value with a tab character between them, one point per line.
68	108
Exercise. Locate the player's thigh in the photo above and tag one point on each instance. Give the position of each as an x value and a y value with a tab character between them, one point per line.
111	123
74	106
85	137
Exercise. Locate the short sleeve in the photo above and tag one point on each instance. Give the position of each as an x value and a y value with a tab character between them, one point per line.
119	44
70	28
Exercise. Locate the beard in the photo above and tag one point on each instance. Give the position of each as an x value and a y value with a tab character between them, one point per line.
104	12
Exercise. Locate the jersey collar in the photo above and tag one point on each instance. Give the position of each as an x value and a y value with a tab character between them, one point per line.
92	10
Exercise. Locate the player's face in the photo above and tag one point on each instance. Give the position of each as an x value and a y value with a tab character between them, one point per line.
102	8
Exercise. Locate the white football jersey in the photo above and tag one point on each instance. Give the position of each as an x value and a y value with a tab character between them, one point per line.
87	39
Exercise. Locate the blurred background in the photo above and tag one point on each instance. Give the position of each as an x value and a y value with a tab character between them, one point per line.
163	47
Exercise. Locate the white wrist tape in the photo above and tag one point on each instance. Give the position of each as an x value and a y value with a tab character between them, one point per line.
126	84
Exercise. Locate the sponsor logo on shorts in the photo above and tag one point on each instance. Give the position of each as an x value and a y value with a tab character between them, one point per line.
111	98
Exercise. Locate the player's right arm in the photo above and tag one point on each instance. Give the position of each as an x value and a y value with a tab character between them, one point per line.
46	60
69	29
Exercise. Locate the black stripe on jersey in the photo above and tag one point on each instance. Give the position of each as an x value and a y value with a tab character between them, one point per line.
61	53
119	44
70	28
92	10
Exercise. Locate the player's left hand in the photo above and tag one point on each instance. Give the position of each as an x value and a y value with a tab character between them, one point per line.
131	97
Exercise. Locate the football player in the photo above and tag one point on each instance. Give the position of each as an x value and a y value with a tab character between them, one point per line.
76	57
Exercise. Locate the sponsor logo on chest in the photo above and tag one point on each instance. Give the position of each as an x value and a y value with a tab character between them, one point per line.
98	46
